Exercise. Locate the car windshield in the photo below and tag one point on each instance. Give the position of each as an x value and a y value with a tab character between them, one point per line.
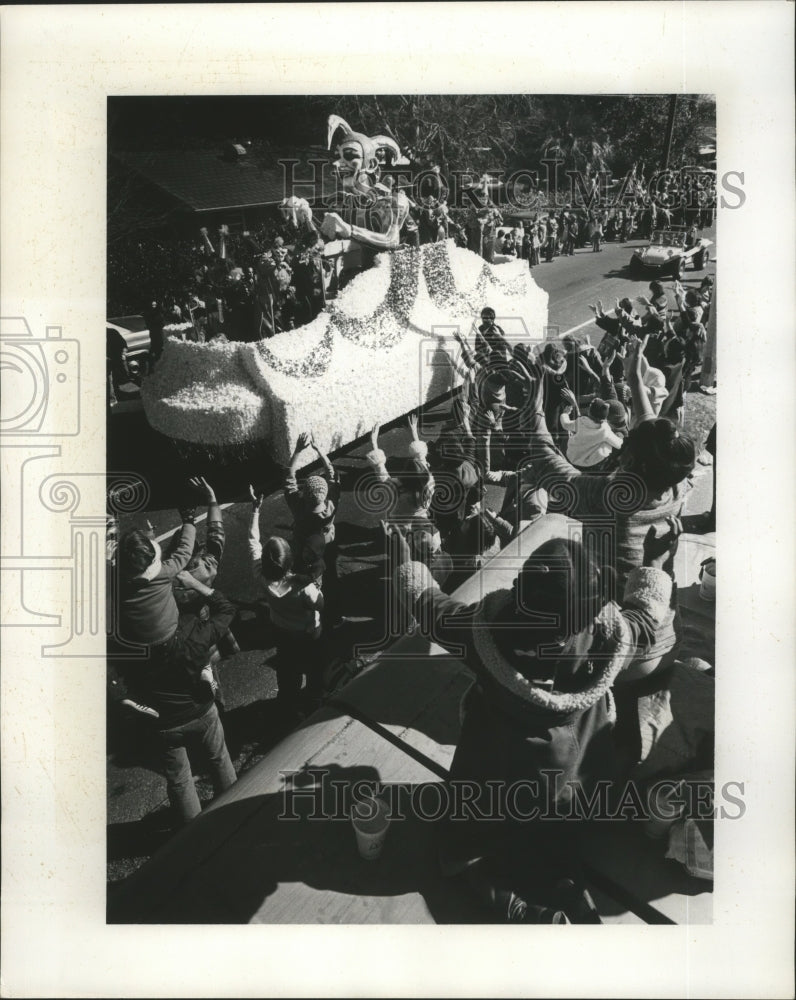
657	240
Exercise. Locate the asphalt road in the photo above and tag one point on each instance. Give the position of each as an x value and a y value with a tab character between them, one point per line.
137	814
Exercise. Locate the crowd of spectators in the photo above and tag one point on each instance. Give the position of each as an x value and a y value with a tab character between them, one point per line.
598	422
561	419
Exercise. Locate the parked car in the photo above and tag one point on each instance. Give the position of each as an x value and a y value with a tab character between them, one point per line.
667	253
136	336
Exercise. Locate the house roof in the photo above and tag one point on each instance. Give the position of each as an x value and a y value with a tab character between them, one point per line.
204	180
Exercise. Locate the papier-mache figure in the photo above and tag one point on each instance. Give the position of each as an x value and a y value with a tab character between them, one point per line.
377	211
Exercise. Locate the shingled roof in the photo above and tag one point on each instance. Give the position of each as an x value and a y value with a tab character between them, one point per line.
206	180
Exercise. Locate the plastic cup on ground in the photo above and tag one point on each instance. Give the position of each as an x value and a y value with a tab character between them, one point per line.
371	821
707	580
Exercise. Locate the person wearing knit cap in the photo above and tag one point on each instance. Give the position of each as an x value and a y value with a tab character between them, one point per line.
315	491
617	418
314	507
591	438
295	605
411	484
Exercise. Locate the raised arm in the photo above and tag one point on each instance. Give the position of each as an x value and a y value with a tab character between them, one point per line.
181	551
215	521
376	457
291	488
324	458
467	355
417	449
642	407
303	442
255	546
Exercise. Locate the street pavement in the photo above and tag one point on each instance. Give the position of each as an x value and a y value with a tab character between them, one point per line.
137	814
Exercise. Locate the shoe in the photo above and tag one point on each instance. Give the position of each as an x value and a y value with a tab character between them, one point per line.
519	912
544	915
576	903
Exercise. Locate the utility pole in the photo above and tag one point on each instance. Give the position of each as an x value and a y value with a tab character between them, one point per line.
667	148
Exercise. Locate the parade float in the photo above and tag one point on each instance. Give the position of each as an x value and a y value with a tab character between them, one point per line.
382	347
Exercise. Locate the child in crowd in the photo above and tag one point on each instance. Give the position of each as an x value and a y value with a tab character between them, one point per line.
314	507
295	605
591	436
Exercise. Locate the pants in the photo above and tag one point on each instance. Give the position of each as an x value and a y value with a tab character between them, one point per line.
569	246
205	734
534	256
297	655
595	242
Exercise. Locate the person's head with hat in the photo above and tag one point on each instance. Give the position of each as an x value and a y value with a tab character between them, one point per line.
598	410
617	417
314	492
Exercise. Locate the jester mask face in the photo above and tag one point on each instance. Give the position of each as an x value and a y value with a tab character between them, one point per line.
352	165
359	157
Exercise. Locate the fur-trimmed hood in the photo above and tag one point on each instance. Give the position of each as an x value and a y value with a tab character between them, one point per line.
647	589
611	632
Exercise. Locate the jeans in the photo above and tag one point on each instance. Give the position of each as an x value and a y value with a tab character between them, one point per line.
205	734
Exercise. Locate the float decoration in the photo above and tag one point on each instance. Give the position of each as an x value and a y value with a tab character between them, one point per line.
383	347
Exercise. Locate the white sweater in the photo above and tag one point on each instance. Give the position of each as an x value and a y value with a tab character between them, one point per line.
591	442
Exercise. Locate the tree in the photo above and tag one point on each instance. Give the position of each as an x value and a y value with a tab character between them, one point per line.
466	132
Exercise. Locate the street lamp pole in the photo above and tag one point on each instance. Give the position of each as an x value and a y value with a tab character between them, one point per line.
667	148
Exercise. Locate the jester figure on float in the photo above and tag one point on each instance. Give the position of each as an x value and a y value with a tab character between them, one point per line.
373	212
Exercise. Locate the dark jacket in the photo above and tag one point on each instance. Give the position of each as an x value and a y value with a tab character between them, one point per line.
308	522
149	613
515	729
205	567
169	681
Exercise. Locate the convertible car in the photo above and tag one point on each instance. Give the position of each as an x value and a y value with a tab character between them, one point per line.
668	253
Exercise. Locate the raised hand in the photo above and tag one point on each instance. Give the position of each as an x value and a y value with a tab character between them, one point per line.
412	422
634	356
608	360
660	549
201	485
256	498
142	709
304	441
374	435
208	678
